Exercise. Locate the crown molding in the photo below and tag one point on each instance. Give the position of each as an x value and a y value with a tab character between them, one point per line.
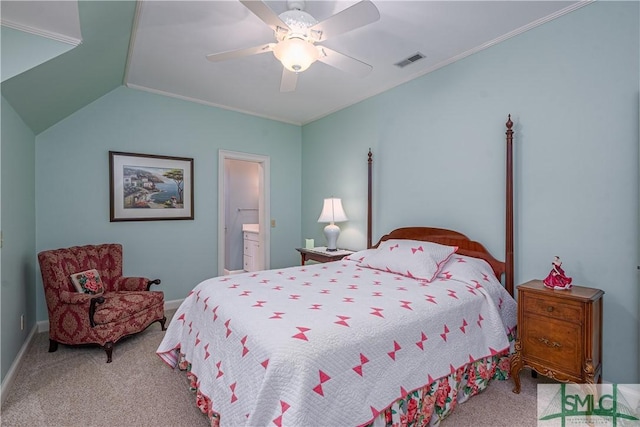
40	32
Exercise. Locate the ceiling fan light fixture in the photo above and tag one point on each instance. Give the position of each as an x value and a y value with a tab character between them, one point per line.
296	54
298	20
296	33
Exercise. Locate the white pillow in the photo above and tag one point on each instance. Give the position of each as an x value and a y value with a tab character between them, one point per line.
360	255
466	268
411	258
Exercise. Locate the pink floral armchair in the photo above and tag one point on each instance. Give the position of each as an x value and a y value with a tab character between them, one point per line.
125	307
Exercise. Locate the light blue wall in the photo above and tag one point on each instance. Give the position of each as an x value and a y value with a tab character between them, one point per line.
571	85
572	88
72	183
17	205
22	51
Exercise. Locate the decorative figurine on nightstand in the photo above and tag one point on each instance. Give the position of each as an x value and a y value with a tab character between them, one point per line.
556	278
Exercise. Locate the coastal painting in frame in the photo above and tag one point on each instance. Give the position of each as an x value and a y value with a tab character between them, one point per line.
145	187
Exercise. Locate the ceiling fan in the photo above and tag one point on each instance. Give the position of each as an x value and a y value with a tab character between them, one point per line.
296	33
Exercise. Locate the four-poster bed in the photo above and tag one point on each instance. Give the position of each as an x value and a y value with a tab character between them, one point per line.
443	236
398	332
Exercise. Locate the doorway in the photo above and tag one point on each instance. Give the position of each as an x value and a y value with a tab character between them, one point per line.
243	198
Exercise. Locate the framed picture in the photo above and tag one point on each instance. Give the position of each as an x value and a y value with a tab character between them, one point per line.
145	187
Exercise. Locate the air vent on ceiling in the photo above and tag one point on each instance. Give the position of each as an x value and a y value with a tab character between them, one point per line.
410	60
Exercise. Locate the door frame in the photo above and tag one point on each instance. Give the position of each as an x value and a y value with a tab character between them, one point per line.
264	203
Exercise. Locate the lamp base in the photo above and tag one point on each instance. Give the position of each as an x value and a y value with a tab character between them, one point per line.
331	232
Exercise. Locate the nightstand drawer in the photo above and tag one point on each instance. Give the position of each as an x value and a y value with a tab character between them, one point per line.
559	333
555	343
556	308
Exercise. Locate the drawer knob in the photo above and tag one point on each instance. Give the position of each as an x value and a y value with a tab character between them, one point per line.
550	308
551	344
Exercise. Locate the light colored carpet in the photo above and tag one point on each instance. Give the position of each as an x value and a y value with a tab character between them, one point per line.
75	387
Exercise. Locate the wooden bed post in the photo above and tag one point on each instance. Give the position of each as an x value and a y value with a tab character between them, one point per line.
508	264
509	207
369	198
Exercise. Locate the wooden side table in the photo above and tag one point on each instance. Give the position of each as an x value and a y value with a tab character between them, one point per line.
321	254
559	333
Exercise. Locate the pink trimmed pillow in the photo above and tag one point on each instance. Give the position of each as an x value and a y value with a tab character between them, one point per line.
360	256
466	268
411	258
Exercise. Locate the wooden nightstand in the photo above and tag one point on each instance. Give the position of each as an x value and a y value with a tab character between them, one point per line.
559	333
321	254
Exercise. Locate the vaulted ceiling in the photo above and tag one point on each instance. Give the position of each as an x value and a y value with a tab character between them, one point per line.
161	46
55	89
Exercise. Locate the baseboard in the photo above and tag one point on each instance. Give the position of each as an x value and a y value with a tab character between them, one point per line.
43	326
172	305
11	373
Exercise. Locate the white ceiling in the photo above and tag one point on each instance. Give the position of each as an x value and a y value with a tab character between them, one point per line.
171	39
57	20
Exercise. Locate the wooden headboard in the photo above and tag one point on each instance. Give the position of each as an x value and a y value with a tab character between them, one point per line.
443	236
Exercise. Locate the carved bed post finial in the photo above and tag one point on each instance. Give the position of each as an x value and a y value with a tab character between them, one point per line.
369	199
509	279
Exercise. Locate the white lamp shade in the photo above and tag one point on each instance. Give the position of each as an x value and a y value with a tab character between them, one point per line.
296	54
332	211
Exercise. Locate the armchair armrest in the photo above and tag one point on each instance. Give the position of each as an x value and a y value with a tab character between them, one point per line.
79	299
131	284
76	298
135	283
92	309
153	282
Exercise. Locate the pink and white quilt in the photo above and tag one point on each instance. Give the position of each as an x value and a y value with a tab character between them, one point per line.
334	343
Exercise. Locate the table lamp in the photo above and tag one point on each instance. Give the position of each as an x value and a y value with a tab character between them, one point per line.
332	212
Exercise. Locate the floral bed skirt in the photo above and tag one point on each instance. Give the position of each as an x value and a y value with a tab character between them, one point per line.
431	404
426	406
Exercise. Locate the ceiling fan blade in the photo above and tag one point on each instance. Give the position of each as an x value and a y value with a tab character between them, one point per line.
264	12
343	62
231	54
356	16
289	80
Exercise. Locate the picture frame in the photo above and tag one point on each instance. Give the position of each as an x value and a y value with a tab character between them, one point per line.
147	187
